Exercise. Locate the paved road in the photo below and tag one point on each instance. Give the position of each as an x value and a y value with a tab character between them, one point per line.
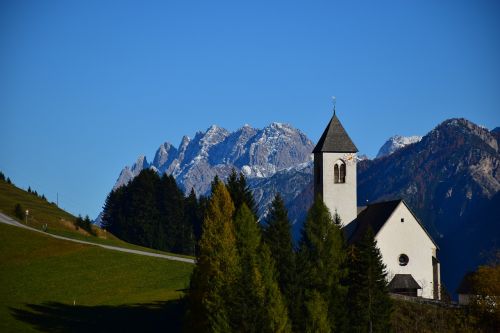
7	220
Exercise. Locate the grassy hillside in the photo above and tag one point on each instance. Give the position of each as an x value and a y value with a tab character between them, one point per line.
52	285
59	222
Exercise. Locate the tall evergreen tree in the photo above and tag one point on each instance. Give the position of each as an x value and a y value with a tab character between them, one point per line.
194	213
240	192
211	291
259	306
277	236
321	268
368	299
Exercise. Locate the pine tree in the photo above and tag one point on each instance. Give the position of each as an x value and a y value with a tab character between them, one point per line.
321	267
2	176
259	306
193	215
277	236
9	181
368	299
211	291
240	192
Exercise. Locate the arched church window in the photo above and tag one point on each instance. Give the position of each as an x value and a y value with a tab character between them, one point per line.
339	172
403	260
342	173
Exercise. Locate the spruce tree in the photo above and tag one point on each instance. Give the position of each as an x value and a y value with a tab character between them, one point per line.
211	293
193	214
259	306
277	236
321	268
368	299
240	192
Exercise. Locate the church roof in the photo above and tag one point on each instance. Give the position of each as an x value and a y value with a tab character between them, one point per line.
375	216
335	139
403	281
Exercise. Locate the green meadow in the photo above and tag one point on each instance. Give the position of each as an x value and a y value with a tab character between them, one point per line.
58	286
58	221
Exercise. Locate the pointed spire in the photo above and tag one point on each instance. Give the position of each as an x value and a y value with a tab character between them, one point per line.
335	139
334	100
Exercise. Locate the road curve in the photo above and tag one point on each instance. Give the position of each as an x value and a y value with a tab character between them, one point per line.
7	220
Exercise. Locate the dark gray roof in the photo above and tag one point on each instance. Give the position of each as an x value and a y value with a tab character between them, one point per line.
375	216
335	139
403	281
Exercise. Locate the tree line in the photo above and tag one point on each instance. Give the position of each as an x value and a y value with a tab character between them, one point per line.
251	278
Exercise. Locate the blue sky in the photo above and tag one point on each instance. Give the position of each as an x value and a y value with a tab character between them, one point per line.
87	86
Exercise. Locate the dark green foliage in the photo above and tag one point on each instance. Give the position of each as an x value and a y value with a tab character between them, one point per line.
368	299
321	268
151	211
8	181
212	289
29	189
2	176
260	307
240	192
194	212
278	238
85	224
19	212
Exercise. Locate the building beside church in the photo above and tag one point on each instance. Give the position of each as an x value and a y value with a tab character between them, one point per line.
408	251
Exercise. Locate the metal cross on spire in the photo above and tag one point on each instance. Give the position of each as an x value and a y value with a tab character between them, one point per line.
334	101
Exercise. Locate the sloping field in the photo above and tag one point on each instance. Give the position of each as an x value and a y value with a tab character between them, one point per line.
58	286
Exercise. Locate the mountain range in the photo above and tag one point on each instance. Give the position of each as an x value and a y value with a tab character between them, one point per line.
450	177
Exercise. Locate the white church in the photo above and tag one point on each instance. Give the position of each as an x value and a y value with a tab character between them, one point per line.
408	251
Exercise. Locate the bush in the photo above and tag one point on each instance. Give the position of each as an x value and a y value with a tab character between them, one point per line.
19	212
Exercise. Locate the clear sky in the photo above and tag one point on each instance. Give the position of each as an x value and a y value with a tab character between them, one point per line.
87	86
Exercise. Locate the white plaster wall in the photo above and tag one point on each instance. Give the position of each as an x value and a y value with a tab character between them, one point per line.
407	237
341	197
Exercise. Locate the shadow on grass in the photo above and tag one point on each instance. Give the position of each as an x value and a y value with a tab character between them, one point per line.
59	317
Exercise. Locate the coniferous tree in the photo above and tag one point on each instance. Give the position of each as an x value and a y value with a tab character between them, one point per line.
368	299
277	236
9	181
2	176
211	293
321	268
194	215
240	192
173	227
259	305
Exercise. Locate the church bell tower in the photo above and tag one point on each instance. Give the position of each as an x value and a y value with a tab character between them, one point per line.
335	171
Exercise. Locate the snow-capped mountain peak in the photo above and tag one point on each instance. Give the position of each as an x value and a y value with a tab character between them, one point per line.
397	142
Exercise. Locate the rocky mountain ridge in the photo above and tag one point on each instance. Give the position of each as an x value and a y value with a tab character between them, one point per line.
258	153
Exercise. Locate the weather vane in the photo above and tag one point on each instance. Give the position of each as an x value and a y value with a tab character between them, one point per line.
334	101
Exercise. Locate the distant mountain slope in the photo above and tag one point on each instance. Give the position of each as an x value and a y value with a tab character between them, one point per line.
451	178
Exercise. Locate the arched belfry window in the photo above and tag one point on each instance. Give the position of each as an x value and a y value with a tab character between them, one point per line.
339	172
